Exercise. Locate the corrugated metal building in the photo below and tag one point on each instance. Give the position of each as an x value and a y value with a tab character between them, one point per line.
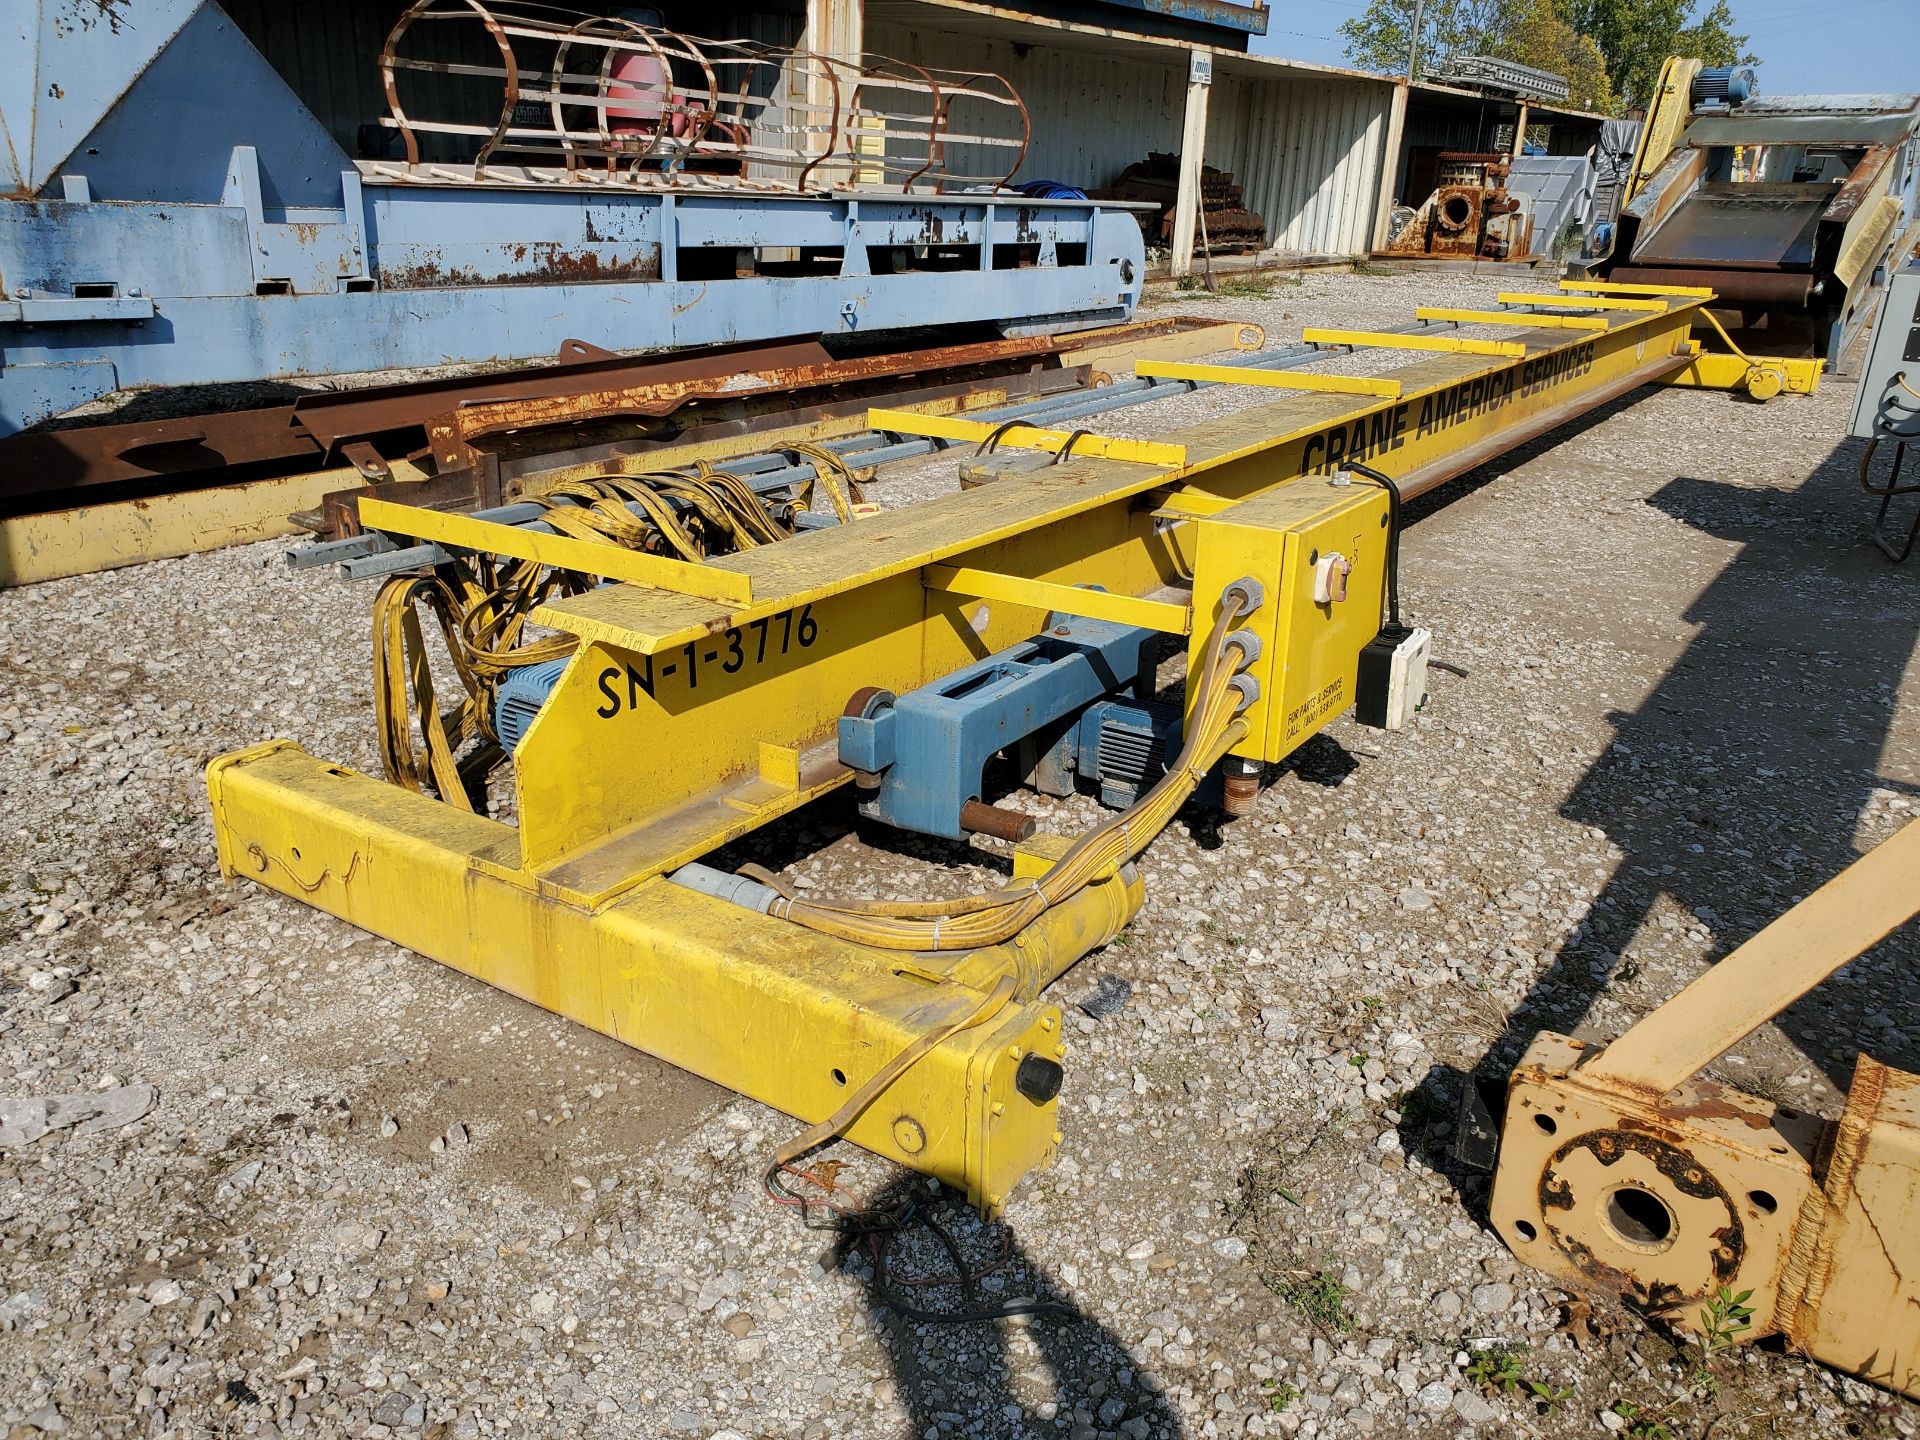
1308	143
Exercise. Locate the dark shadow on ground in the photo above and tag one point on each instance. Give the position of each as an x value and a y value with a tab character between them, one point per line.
1737	786
976	1378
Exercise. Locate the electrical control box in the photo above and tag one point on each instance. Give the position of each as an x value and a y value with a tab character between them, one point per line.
1319	545
1883	406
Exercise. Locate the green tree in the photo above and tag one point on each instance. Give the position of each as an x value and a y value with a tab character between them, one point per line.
1637	36
1377	39
1536	33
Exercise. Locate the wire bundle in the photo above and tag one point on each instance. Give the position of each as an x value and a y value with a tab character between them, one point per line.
970	922
483	604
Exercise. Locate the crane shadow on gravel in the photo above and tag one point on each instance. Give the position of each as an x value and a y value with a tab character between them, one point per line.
932	1285
1738	786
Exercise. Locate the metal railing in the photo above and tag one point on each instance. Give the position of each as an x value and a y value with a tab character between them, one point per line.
598	97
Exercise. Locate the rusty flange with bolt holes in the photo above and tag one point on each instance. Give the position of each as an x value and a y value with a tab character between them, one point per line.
1670	1201
1621	1169
1662	1201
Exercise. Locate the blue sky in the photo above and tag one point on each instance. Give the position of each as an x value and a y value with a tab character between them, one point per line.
1803	45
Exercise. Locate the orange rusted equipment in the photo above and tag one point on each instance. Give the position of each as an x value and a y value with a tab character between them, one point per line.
1471	214
1622	1170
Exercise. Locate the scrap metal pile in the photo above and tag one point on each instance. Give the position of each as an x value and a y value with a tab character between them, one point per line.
1227	225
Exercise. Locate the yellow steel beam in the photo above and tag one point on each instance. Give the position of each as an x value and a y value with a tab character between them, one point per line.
1029	437
1269	379
1445	344
1582	302
1507	317
1856	909
1612	287
845	608
563	552
90	538
683	721
1761	376
1107	348
790	1017
1067	599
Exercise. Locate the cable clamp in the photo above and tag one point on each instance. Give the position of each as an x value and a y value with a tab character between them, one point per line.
1249	593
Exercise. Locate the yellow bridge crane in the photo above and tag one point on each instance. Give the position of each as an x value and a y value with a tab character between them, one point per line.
703	699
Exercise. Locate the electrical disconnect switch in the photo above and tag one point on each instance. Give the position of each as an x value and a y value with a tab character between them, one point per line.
1330	573
1392	681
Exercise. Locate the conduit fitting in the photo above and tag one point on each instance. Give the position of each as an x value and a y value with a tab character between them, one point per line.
734	889
1038	1078
1249	689
1249	643
1242	785
1246	595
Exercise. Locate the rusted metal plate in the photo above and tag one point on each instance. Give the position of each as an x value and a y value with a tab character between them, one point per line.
712	433
584	383
44	463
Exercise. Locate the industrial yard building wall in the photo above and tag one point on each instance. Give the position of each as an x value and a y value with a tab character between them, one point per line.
1308	150
1092	114
1308	146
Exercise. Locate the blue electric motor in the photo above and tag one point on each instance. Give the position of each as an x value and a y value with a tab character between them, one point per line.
1069	702
1725	85
520	697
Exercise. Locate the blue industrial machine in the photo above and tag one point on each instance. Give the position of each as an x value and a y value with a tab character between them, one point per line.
174	215
1071	703
1072	700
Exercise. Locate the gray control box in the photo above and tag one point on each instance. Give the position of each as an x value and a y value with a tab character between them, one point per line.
1884	405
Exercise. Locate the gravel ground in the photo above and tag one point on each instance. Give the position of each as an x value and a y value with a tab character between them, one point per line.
375	1198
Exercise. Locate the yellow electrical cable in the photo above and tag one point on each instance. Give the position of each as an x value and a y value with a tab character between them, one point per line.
483	606
814	1136
1739	354
832	473
975	921
401	666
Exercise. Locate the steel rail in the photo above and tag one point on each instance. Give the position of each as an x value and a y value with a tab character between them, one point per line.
374	557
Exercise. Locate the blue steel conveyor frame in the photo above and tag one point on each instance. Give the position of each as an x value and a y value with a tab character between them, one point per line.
175	216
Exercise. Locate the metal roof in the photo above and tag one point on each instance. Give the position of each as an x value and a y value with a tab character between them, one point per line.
1865	124
1870	104
996	22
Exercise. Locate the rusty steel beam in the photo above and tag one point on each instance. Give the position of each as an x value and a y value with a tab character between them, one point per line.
371	426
